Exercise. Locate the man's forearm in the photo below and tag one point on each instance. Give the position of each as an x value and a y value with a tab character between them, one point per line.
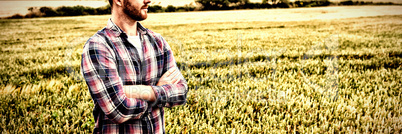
140	92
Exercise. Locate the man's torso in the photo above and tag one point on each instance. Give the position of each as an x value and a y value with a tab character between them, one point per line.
134	70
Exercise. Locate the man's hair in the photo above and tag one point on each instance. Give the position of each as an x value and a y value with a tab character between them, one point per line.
111	3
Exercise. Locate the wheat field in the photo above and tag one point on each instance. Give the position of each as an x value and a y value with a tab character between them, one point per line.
309	76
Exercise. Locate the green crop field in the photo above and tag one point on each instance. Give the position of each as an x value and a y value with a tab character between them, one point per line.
318	76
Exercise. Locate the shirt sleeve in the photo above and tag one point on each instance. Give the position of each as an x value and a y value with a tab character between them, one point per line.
99	69
170	95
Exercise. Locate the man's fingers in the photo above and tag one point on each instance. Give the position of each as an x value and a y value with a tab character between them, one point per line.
174	74
177	77
177	80
167	73
171	70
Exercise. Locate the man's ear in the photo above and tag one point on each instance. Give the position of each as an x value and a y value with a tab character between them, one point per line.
118	2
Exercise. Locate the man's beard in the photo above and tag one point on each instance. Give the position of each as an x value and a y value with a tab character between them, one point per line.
132	12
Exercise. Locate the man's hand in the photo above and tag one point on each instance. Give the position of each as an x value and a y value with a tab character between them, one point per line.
172	76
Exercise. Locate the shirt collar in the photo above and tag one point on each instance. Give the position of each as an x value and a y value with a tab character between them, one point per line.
117	31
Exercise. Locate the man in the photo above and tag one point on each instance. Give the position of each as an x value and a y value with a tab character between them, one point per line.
131	73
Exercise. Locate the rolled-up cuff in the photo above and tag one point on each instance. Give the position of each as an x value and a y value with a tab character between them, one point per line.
134	110
160	95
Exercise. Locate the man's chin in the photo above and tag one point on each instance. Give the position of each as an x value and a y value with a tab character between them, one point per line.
140	17
143	18
143	15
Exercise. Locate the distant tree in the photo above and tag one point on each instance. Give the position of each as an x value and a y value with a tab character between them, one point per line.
214	4
30	9
155	8
104	10
275	1
89	11
241	3
347	2
16	16
47	11
33	15
299	3
33	12
283	4
189	7
221	4
70	11
323	3
265	4
170	8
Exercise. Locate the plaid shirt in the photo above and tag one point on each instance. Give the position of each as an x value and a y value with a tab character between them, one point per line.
109	62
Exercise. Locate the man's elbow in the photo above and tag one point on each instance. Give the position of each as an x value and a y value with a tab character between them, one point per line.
185	95
182	99
183	102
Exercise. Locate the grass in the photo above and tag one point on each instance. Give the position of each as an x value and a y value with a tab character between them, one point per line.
315	76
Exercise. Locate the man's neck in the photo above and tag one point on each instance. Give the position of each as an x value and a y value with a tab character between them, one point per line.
126	24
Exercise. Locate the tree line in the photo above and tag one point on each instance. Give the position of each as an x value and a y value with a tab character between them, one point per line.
63	11
246	4
81	10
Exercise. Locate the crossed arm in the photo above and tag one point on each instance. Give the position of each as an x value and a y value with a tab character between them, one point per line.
145	92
